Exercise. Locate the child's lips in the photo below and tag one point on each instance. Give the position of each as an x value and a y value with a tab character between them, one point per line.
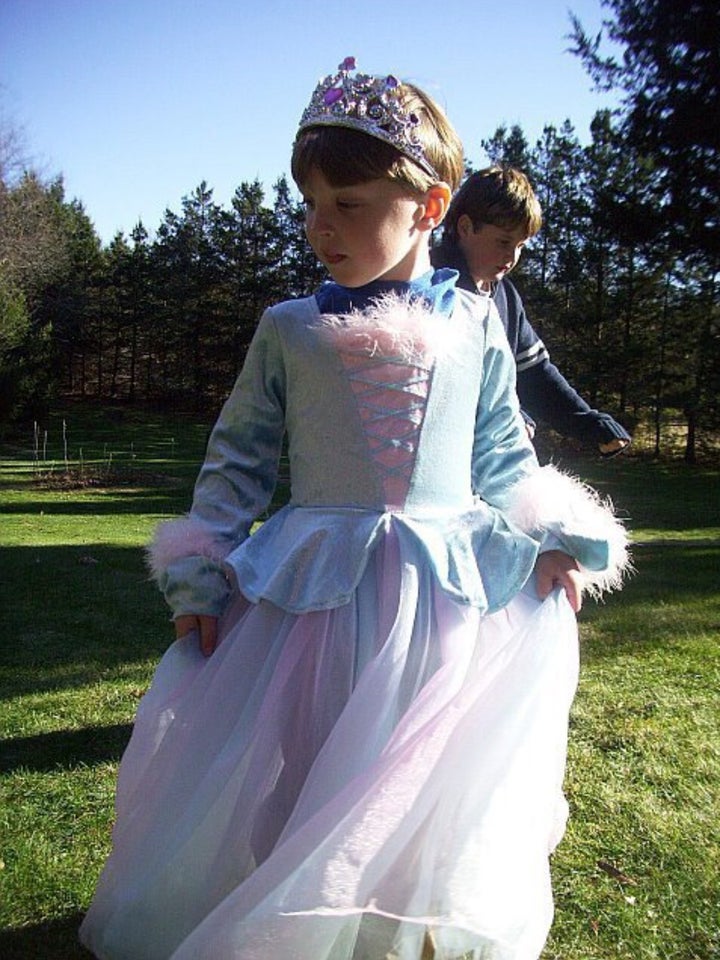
333	258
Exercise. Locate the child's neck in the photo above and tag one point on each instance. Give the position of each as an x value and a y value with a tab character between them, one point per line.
435	287
412	267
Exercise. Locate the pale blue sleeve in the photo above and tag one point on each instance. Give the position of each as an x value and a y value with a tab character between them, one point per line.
557	510
502	451
234	487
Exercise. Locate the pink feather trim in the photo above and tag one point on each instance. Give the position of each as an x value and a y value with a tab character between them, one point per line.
550	501
394	326
184	537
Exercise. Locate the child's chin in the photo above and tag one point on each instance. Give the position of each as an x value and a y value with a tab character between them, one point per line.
347	278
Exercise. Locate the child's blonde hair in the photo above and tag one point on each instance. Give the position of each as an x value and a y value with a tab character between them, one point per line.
499	195
346	157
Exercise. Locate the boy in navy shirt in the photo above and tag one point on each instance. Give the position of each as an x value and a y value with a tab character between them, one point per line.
493	214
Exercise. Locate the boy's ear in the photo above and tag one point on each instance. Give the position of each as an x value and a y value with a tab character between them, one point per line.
437	201
464	226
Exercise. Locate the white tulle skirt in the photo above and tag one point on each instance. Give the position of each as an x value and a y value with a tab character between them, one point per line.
383	779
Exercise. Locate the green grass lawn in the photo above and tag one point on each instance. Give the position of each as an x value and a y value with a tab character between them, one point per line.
637	875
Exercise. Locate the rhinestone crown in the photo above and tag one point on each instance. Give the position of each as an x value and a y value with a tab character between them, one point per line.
369	104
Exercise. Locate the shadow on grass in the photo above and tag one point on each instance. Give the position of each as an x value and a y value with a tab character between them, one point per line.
77	615
670	571
671	601
103	502
664	495
65	748
161	500
51	940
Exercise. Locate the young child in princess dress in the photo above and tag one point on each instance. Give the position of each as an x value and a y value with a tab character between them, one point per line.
355	748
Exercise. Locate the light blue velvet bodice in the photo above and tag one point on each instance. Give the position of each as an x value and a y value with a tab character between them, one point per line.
443	476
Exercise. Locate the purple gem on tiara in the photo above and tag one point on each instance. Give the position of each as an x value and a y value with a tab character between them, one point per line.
347	64
332	96
414	119
391	81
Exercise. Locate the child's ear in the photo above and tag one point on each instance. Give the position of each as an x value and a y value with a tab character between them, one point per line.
436	203
464	226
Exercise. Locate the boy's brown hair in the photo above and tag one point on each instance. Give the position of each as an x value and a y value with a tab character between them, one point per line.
499	195
346	157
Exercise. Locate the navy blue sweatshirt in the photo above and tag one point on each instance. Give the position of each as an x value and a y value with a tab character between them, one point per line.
544	393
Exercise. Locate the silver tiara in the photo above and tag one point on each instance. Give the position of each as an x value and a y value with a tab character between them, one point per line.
369	104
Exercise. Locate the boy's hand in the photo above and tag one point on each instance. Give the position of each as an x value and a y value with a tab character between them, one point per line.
206	629
613	446
556	568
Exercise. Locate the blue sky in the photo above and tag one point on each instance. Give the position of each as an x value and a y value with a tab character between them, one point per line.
135	102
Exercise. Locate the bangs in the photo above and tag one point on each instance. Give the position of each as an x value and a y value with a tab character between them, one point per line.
344	156
517	220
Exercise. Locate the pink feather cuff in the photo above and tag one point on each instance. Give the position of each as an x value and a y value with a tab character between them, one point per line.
185	537
550	502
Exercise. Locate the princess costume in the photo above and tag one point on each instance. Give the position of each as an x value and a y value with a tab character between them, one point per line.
370	764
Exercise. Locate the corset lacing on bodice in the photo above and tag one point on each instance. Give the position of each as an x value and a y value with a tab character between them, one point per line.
389	367
391	398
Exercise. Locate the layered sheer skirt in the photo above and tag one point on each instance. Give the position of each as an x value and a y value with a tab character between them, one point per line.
378	780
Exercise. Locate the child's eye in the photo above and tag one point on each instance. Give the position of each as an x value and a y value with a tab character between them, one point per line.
347	204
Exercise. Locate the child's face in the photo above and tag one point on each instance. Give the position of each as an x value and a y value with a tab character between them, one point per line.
369	231
490	252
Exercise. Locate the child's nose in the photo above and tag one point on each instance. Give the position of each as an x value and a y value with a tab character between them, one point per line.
320	223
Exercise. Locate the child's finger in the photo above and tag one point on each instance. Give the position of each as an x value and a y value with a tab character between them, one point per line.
208	635
571	582
184	625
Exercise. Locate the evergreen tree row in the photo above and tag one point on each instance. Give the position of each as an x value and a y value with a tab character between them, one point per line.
631	321
168	320
629	311
621	283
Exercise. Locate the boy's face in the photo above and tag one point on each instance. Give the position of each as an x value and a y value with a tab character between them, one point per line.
490	252
369	231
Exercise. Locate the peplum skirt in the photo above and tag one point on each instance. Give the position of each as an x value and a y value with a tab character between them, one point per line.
378	780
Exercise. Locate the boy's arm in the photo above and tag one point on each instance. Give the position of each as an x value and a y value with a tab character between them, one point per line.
548	397
543	391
